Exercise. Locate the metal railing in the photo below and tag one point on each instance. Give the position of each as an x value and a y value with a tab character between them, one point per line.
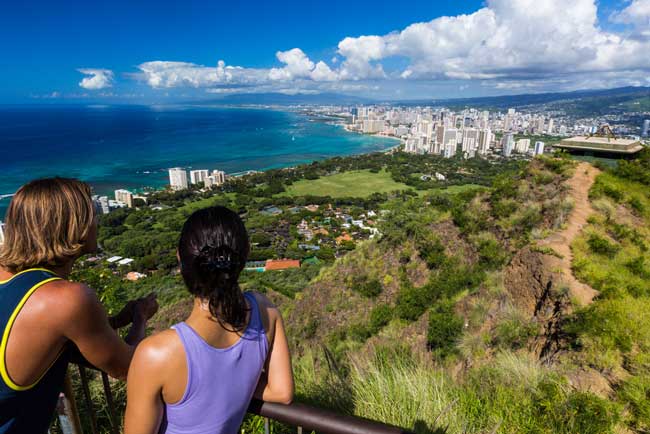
303	417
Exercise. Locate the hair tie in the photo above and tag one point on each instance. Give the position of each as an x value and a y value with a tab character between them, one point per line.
216	261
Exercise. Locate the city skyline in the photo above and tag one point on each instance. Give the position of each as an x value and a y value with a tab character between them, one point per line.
164	53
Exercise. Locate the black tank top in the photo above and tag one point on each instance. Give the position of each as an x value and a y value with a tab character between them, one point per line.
26	409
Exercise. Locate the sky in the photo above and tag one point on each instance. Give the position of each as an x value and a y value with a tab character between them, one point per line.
169	51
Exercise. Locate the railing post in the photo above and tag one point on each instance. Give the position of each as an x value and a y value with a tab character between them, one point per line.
89	403
70	412
110	404
267	426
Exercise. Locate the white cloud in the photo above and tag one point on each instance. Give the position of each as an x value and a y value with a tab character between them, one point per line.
636	14
299	66
508	44
520	39
165	74
98	78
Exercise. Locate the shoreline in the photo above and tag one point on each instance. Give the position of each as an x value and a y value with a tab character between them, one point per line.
145	190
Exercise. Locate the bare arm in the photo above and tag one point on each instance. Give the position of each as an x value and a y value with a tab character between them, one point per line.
90	330
144	410
276	383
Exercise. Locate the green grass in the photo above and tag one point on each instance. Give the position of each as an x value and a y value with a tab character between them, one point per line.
609	255
357	183
514	394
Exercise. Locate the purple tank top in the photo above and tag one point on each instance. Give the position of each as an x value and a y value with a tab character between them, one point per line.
220	382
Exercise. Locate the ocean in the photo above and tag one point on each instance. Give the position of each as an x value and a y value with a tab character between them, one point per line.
132	147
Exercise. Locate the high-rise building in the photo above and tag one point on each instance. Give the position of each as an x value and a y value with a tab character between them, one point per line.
645	131
450	149
549	129
508	120
197	176
2	233
539	148
507	144
103	204
220	176
411	145
178	178
484	141
124	196
470	139
522	146
371	126
450	142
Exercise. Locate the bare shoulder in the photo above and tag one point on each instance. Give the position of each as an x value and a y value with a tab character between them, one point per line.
69	298
158	350
160	345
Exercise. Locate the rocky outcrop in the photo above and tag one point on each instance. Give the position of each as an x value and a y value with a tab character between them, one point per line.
536	290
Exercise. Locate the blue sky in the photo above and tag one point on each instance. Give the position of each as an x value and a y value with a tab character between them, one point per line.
146	51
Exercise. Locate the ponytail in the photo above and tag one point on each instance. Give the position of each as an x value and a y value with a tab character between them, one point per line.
213	249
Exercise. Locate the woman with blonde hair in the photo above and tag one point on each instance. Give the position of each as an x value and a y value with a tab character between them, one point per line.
45	318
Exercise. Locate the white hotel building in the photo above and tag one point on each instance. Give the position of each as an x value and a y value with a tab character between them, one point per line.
178	178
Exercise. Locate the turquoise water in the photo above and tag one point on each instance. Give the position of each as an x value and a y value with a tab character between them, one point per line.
132	147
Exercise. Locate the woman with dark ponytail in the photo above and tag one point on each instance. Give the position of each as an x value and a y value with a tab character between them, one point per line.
199	376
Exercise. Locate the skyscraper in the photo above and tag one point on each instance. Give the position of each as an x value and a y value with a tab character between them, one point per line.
2	233
507	143
470	139
522	146
124	196
549	129
646	128
103	204
484	141
178	178
450	142
220	176
197	176
539	148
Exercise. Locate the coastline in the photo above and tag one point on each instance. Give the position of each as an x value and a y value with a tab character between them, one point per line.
260	149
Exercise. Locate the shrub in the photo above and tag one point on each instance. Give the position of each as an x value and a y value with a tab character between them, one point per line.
635	392
638	267
359	332
371	288
636	204
411	302
445	327
491	254
602	246
380	316
514	331
365	286
578	412
432	252
613	192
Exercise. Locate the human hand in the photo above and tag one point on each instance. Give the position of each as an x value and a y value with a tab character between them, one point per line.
146	307
124	317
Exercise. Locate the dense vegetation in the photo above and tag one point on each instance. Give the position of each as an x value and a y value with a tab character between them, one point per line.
422	326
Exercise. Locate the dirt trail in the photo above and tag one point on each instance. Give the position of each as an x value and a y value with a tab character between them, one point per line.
579	185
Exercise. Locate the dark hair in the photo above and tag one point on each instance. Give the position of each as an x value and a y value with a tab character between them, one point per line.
213	249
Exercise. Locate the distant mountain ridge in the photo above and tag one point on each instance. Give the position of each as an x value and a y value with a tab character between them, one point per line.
286	99
578	103
604	97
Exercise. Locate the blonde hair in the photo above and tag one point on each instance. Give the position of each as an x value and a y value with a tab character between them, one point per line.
47	224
